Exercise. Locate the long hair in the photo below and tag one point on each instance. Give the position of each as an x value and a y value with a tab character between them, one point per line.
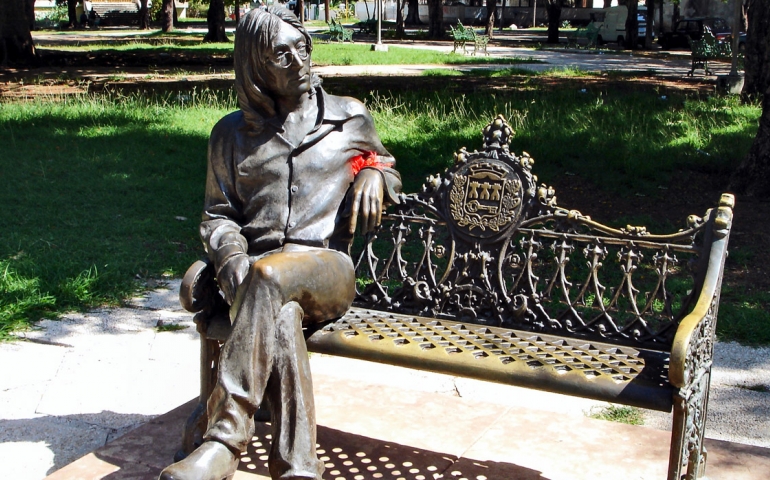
253	43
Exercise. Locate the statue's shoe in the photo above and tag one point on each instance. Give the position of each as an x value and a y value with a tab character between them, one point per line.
211	461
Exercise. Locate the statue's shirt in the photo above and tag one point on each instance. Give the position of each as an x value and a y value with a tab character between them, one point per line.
263	192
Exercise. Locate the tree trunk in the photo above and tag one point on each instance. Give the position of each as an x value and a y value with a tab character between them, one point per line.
237	14
607	3
491	11
435	19
413	15
72	14
31	14
216	22
16	46
167	16
144	16
752	177
632	26
553	9
649	17
327	11
400	18
757	63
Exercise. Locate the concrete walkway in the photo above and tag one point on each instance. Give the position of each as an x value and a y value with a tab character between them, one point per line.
83	382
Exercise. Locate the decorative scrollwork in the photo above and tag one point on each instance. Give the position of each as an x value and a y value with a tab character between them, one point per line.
634	231
484	243
692	398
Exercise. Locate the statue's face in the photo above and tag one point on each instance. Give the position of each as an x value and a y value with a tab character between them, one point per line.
288	65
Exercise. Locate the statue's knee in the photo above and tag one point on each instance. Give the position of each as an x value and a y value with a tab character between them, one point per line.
263	271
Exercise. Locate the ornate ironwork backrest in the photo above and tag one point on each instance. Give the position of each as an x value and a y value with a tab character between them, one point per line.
484	243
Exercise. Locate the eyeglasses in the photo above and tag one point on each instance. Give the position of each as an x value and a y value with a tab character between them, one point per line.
286	58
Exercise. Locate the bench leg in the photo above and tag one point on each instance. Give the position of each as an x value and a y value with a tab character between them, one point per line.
687	460
688	455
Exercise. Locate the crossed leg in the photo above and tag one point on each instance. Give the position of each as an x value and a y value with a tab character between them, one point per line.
265	356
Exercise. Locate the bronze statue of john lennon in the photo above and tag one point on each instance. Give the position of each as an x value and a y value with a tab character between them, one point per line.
289	176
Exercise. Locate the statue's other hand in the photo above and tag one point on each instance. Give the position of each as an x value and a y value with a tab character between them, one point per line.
231	275
366	197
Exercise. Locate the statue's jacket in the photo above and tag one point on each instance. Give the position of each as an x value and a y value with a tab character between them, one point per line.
263	192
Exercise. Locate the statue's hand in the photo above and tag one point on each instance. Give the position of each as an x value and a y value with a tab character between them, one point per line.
366	196
231	276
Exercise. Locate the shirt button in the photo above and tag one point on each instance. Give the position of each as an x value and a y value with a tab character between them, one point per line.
292	224
294	189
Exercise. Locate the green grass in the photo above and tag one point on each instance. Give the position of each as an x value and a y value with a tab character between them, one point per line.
101	194
619	414
556	72
92	190
170	327
323	53
627	142
360	54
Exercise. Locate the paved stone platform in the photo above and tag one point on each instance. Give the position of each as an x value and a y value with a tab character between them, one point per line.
102	382
371	432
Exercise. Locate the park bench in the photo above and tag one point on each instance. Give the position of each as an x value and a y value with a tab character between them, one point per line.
338	32
482	274
708	48
466	35
590	33
116	13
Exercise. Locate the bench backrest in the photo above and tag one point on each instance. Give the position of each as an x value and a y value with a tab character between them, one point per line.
484	243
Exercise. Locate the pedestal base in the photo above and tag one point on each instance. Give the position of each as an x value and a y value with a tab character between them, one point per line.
379	47
730	84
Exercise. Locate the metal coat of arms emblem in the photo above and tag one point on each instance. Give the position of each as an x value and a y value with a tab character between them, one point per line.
485	198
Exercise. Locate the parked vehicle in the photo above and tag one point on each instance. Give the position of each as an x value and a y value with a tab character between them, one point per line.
692	29
611	23
728	38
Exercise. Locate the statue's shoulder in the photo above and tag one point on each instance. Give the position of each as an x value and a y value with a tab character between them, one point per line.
345	107
228	126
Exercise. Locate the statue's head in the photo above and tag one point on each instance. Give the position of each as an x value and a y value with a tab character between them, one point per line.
272	59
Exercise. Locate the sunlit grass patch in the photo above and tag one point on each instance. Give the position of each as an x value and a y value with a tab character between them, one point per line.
619	414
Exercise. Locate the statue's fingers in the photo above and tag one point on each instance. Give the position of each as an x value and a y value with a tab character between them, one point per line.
378	209
366	213
354	211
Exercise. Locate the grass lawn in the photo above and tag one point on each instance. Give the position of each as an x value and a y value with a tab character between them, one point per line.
323	53
102	194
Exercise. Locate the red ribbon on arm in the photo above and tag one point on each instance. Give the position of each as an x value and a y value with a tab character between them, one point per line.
366	159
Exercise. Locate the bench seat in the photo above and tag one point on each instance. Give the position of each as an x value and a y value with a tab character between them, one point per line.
600	371
588	369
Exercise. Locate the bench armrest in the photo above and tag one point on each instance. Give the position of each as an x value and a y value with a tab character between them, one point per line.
691	328
198	285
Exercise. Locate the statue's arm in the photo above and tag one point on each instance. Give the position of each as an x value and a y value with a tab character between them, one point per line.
376	185
220	228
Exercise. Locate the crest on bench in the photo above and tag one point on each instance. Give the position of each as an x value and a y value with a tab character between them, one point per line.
486	193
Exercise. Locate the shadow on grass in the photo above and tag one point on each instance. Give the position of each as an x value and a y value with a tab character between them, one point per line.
96	203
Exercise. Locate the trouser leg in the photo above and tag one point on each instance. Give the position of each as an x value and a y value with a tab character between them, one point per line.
266	354
245	363
290	395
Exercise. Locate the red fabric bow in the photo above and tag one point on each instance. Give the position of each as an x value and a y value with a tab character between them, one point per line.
366	159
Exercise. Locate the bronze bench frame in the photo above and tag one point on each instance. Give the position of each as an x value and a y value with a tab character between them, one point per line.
482	297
